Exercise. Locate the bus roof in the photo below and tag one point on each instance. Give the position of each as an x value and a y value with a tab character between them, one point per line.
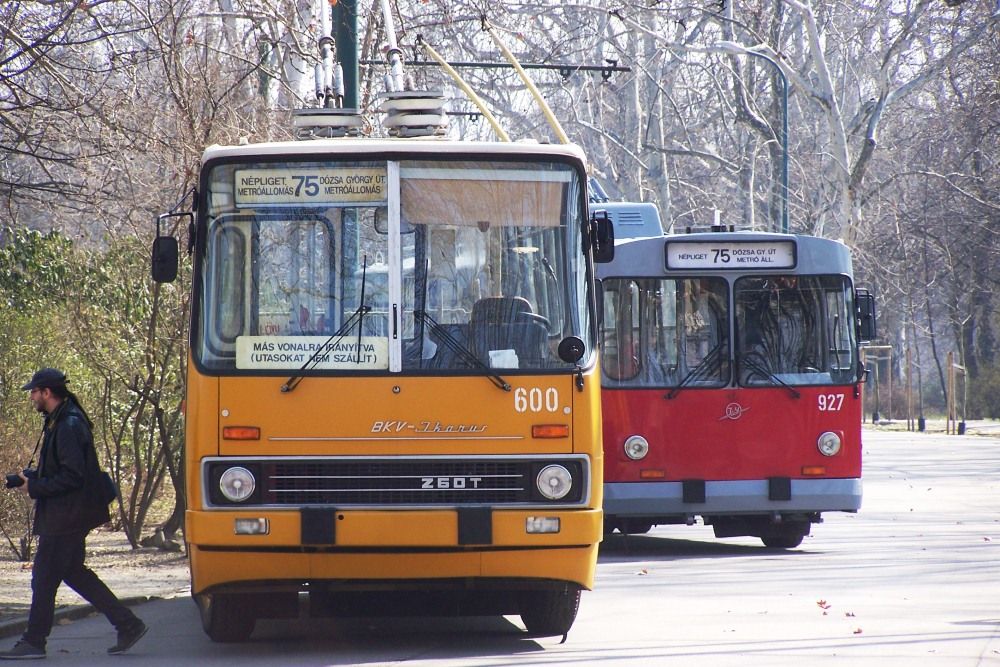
361	146
631	219
645	257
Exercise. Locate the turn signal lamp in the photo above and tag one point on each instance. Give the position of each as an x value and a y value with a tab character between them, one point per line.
813	471
241	432
652	473
550	431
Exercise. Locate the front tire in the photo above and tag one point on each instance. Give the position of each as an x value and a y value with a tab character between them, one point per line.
787	536
547	613
227	618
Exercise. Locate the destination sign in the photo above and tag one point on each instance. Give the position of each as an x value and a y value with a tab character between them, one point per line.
730	255
310	186
290	352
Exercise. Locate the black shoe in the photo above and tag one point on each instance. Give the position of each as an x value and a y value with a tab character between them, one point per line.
128	637
23	651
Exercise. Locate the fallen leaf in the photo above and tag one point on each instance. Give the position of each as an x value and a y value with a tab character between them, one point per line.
823	604
857	631
642	572
849	614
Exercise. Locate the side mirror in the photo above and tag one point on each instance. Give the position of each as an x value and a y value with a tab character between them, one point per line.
164	263
571	349
866	315
602	237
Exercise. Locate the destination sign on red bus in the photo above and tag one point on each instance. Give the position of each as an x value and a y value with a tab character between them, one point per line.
731	255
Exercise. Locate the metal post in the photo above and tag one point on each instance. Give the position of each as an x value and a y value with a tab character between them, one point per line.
909	390
950	398
345	21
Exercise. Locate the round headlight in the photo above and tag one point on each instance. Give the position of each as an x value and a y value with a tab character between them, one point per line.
636	447
237	484
554	482
828	443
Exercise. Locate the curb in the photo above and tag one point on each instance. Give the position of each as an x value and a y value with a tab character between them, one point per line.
16	626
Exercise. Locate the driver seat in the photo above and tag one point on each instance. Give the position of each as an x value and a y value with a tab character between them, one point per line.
507	323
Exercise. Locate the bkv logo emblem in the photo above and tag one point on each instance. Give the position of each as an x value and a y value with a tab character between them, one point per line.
733	411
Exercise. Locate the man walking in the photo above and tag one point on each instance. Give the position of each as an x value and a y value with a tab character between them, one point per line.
68	505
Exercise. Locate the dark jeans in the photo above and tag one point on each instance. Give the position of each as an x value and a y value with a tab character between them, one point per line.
59	558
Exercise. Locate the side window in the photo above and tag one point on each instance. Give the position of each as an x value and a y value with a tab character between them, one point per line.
659	352
619	350
227	309
841	360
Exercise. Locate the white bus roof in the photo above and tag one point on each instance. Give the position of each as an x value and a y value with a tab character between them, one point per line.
359	147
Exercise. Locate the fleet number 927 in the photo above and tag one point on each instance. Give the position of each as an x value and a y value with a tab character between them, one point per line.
830	402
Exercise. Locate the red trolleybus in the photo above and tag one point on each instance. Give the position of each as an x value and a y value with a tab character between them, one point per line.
731	383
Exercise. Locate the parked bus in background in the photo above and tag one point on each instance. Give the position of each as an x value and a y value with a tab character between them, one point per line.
392	393
732	382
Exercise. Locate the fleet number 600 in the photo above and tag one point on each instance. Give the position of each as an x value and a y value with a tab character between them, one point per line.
536	399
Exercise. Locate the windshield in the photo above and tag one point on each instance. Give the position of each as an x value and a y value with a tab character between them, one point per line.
427	265
796	330
665	332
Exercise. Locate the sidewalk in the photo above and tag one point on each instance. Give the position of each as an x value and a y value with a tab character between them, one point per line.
988	427
15	627
135	575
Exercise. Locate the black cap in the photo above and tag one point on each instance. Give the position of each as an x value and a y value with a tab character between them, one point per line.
46	377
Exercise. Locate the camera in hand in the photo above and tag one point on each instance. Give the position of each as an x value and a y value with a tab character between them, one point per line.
14	480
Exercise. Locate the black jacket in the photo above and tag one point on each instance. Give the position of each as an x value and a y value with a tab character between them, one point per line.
66	491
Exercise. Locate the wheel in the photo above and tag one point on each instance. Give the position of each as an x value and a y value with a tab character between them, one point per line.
634	527
226	618
785	536
547	613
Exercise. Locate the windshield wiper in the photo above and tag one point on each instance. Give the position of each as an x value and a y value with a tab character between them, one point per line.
765	373
709	365
461	350
358	316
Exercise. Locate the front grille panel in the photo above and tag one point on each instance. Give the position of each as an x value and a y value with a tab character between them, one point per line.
395	483
399	482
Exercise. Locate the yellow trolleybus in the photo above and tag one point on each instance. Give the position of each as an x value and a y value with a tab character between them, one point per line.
392	398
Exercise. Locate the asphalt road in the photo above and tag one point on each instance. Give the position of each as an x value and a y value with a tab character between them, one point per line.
913	579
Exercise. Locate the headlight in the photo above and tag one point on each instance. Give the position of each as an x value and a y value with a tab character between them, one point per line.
237	484
636	447
828	443
554	482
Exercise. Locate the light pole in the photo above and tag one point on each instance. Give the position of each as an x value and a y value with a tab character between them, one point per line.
736	49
